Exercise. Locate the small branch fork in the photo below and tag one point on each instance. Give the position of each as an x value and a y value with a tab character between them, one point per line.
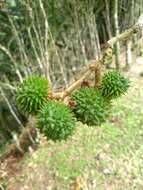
96	65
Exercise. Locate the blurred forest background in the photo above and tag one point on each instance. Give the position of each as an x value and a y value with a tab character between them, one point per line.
56	39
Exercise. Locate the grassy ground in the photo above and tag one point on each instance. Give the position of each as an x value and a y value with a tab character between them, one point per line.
109	157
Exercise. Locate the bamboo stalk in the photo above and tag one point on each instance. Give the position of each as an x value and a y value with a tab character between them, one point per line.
7	52
116	28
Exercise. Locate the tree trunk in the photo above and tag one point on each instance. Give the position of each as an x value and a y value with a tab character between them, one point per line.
116	27
128	53
129	43
107	19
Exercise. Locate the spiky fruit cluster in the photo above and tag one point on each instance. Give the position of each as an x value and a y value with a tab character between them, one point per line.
114	85
56	121
32	94
91	107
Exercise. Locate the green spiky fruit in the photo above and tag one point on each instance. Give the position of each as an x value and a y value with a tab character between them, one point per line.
91	107
114	84
32	94
56	121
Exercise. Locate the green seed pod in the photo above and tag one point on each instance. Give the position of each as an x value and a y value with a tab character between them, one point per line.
56	121
91	107
32	94
113	85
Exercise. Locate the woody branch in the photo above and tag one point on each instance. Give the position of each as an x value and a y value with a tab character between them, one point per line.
96	65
